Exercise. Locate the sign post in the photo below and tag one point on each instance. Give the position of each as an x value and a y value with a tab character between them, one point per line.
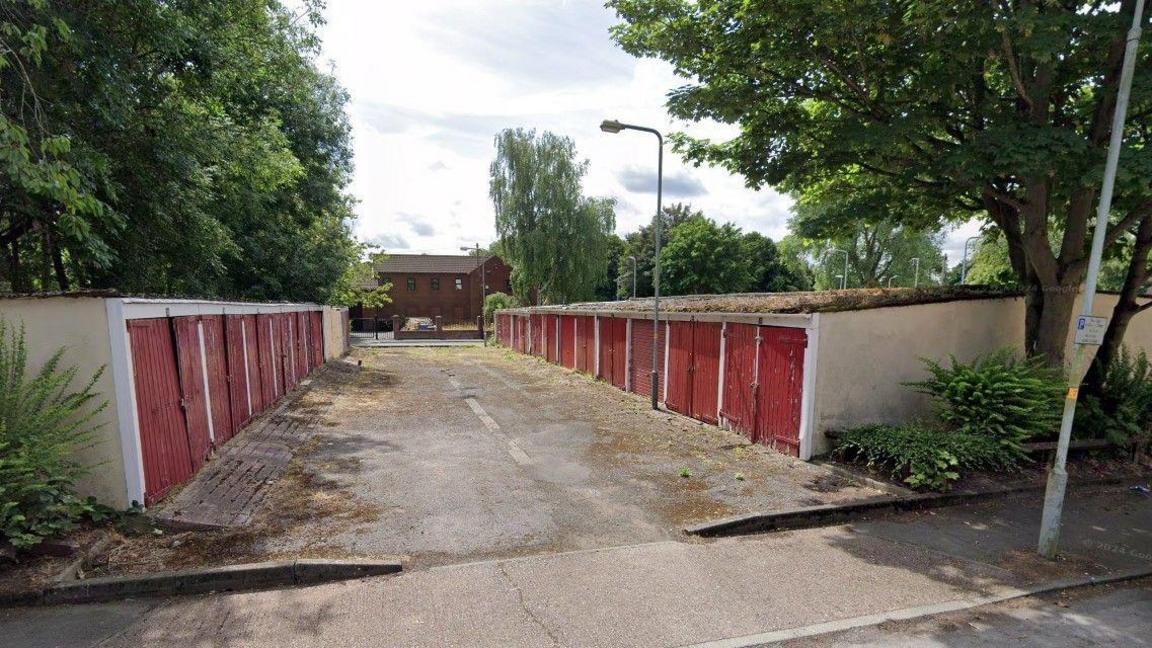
1089	329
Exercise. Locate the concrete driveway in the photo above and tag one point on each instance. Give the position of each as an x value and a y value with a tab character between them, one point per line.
464	454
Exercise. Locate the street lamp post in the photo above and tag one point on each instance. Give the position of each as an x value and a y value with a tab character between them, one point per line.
964	259
843	277
890	280
483	279
1057	476
633	276
614	126
915	272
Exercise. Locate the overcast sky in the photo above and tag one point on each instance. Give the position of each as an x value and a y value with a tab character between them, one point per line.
433	82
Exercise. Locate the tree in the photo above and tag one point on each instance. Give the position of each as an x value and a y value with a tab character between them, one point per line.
359	284
179	148
642	245
608	288
553	236
999	111
704	258
771	270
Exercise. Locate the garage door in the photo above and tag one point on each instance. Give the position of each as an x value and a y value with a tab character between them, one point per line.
642	356
568	341
694	369
164	446
781	387
613	350
551	338
586	344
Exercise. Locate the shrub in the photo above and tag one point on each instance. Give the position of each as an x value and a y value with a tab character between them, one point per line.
495	302
997	396
923	457
42	422
1122	411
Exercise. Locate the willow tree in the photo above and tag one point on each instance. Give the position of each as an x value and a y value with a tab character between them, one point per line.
555	238
999	111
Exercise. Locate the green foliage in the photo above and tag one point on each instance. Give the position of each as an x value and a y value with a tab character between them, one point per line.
177	148
704	258
359	285
1122	410
551	234
997	111
698	256
923	457
43	421
497	301
996	396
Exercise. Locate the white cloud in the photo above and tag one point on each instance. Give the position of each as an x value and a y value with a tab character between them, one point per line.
433	82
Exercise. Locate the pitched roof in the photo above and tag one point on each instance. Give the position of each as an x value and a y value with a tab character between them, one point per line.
441	263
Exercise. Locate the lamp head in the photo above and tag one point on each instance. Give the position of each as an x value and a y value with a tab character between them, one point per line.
611	126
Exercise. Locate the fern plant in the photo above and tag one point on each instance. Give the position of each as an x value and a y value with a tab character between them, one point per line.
997	395
43	421
1122	411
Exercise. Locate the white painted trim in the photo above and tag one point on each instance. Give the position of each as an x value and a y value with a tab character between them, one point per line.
247	371
204	379
559	339
628	355
124	383
138	308
664	373
596	345
272	347
720	386
575	344
292	349
808	393
786	320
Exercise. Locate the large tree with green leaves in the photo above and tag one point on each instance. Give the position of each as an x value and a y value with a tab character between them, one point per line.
704	258
554	237
993	110
180	147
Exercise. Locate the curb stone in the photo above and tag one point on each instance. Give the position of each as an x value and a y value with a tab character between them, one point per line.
908	614
234	578
833	514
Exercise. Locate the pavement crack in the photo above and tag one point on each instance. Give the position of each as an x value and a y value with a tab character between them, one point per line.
524	605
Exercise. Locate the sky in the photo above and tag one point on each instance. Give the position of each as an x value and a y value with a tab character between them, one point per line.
432	82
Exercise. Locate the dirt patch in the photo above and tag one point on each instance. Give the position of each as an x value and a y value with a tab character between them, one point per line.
37	572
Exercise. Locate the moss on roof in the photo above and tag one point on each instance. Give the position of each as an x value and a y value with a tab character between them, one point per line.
795	302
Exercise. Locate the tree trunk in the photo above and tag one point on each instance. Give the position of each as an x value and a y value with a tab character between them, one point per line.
57	259
1125	309
1052	323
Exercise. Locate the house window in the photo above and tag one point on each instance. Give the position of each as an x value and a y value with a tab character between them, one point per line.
435	283
411	284
459	284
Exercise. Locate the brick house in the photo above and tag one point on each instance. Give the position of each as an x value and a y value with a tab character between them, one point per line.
431	285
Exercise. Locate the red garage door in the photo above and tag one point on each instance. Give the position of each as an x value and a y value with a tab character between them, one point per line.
694	369
586	344
642	356
613	349
192	388
216	361
551	338
237	370
250	331
537	325
270	369
739	406
781	387
568	341
316	331
163	431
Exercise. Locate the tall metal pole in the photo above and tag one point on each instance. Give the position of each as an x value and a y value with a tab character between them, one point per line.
634	277
916	272
1057	476
843	277
613	126
656	268
964	259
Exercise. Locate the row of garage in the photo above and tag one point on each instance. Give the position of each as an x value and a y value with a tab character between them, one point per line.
181	377
743	375
199	378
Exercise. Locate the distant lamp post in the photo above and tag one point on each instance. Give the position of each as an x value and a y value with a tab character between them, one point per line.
890	280
843	277
613	126
916	272
633	259
839	277
964	259
483	275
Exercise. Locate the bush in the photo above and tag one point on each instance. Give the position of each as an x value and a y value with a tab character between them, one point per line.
923	457
1122	411
42	422
997	396
495	302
